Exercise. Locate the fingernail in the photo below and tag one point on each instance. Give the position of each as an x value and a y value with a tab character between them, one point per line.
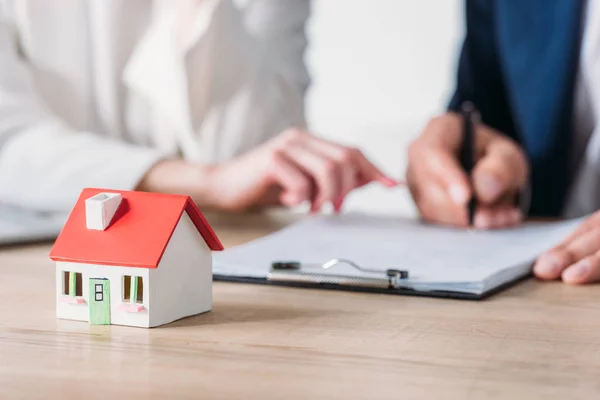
577	271
490	185
389	182
482	221
337	204
548	266
458	194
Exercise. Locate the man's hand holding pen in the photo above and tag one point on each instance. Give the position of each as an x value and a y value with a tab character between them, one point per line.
442	189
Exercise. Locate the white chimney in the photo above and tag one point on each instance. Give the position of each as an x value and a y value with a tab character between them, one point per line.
100	210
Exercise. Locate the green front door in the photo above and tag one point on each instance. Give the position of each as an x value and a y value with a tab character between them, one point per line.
99	301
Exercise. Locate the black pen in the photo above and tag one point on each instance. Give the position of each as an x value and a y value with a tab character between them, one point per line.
467	151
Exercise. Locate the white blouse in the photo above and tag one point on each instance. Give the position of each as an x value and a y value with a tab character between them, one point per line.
94	92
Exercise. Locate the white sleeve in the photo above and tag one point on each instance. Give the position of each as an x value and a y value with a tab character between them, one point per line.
280	25
43	162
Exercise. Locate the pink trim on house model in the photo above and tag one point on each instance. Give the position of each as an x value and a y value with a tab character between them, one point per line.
132	308
72	299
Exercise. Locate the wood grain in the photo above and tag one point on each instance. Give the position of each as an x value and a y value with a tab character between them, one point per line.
533	341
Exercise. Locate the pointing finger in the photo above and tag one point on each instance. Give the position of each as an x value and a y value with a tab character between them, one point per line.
366	170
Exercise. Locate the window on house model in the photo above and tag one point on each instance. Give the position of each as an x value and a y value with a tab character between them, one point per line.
133	289
99	292
72	284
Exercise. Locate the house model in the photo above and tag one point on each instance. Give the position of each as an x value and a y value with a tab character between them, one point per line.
133	258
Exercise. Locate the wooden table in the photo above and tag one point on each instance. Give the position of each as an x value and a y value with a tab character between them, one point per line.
532	341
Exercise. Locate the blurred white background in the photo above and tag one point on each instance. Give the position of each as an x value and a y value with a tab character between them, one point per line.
380	69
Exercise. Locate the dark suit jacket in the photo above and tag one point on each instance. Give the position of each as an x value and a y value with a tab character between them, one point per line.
518	66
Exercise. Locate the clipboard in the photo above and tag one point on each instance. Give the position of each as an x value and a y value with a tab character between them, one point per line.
368	254
390	282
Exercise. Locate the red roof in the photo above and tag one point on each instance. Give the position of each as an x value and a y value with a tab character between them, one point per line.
138	234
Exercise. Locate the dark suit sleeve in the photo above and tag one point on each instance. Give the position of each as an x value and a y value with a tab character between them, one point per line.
479	78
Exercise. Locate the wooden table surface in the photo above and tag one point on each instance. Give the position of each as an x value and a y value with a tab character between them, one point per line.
532	341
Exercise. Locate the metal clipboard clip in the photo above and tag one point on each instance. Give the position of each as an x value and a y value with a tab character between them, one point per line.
296	272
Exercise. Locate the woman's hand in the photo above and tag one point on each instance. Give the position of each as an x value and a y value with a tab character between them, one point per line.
288	170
